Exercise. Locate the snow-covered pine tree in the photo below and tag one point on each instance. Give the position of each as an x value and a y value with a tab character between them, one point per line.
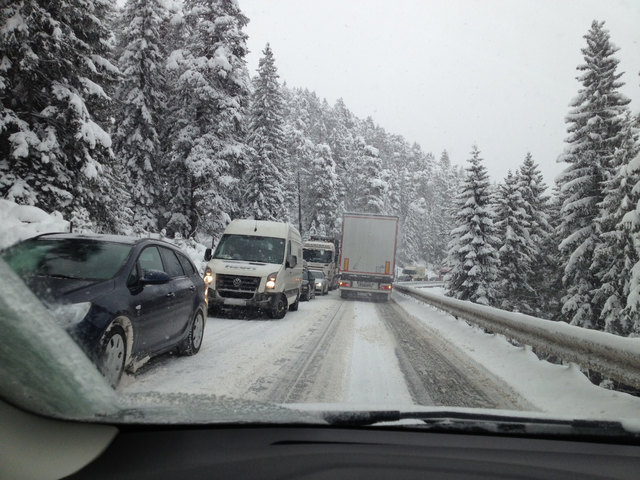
445	184
413	232
141	97
209	97
366	190
544	265
263	184
517	250
616	255
595	124
472	253
53	151
322	194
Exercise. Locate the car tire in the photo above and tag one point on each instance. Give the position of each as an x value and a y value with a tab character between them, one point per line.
278	307
193	342
112	355
294	306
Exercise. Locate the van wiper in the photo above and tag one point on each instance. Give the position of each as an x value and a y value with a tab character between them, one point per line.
483	422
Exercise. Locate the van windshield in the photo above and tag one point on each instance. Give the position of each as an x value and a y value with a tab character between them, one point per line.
317	255
250	248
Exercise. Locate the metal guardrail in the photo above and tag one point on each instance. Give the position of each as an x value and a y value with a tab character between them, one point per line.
615	357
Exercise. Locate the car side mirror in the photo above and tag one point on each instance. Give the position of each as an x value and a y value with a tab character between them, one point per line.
155	277
207	255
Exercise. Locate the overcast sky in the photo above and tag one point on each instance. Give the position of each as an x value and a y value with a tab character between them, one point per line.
448	74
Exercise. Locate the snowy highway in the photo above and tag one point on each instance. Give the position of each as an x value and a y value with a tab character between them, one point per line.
330	351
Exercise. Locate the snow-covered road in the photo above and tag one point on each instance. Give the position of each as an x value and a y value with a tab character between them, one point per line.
330	351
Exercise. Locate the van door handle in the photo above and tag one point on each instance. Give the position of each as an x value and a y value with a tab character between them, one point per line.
192	288
171	294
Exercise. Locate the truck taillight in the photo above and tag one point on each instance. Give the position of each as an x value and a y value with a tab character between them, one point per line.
344	283
385	286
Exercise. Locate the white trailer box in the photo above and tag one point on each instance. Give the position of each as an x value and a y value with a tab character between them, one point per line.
368	256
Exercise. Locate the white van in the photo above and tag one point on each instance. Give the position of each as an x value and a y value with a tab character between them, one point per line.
256	264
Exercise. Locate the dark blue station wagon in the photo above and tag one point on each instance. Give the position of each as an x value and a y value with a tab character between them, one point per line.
122	299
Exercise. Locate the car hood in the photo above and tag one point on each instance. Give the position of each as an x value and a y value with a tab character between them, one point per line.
238	267
52	290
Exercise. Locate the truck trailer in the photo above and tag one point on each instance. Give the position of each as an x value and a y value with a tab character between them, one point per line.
368	255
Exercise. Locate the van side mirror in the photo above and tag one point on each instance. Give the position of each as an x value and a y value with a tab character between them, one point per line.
292	261
207	255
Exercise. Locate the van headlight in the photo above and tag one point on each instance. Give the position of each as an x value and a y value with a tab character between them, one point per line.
271	281
208	276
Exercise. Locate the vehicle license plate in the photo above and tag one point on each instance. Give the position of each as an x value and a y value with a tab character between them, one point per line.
234	301
365	284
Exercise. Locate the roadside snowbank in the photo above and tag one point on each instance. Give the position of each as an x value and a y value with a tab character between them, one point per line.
19	222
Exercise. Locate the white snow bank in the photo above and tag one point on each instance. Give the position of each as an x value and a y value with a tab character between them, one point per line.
20	222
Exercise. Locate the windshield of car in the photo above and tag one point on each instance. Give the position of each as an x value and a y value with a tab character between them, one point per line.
317	274
67	258
466	173
317	255
250	248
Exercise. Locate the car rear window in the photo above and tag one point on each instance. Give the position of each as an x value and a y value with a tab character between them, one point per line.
187	266
171	263
68	258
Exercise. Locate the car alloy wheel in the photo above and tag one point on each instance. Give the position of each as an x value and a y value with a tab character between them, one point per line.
193	342
112	356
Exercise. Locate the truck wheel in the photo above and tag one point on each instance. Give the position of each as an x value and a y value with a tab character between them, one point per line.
344	294
294	306
278	307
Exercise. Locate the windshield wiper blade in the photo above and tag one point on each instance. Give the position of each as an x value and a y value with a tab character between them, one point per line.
483	422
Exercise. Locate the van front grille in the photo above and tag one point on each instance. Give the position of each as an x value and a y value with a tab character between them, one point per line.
237	286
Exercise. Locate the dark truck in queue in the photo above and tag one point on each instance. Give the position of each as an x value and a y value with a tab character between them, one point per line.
368	255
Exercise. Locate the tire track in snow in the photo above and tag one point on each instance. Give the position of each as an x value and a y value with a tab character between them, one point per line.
298	373
438	373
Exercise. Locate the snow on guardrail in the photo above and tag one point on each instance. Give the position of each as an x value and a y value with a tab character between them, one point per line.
613	356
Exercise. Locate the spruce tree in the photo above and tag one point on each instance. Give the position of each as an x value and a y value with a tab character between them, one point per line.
55	152
541	232
472	254
445	184
142	99
594	126
322	196
269	172
210	93
616	255
517	250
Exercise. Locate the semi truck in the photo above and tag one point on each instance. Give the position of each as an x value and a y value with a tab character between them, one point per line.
322	254
368	255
